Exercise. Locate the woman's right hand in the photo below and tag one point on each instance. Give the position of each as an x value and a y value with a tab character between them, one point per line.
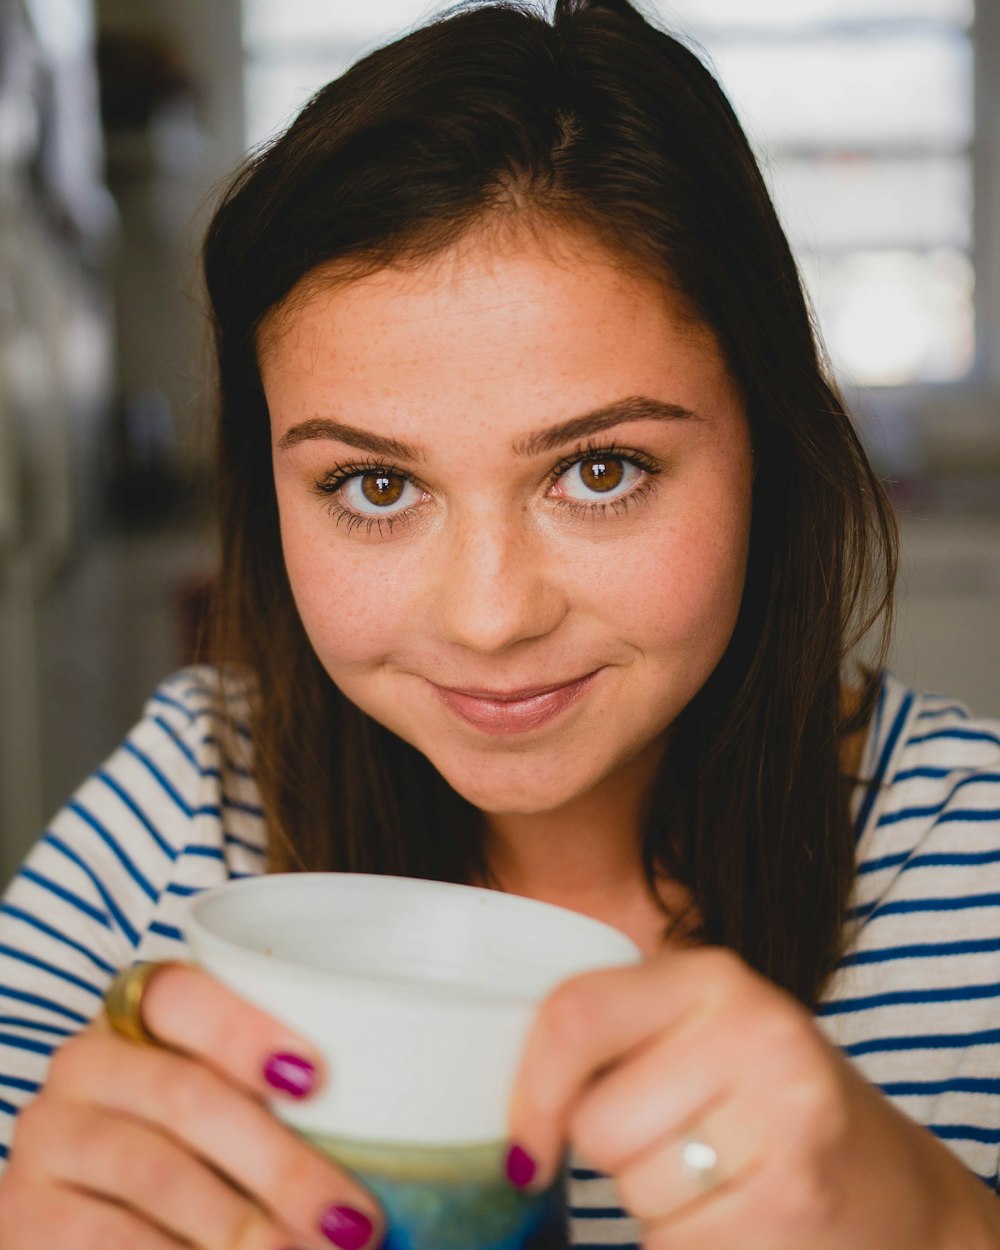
136	1147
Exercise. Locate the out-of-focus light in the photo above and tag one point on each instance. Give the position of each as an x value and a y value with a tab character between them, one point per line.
894	318
881	334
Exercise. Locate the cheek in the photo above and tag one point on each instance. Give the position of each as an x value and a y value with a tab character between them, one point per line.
679	591
352	611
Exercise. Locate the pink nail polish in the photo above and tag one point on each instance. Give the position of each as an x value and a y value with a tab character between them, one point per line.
521	1168
290	1073
346	1227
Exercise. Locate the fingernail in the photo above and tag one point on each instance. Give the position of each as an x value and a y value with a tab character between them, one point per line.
290	1073
346	1227
521	1168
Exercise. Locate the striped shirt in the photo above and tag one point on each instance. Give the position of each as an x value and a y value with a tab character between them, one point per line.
915	1002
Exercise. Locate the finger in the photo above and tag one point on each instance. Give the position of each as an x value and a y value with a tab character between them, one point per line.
766	1207
599	1019
706	1225
187	1009
662	1187
38	1215
133	1164
667	1084
218	1121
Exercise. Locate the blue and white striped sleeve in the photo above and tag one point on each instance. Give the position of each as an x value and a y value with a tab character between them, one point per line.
84	898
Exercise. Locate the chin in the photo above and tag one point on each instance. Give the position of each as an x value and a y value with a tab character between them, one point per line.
502	806
509	793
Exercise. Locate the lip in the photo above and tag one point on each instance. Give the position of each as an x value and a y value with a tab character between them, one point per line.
514	711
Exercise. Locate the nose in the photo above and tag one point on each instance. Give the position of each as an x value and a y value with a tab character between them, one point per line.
495	585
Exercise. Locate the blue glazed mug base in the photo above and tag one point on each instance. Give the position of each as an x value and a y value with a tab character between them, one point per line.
451	1197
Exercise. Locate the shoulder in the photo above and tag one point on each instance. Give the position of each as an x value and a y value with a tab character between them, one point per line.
199	717
203	695
192	749
927	891
928	826
180	776
171	810
930	763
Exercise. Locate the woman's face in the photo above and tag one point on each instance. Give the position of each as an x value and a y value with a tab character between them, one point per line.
510	469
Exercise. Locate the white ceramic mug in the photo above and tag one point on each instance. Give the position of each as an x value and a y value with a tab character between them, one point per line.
419	995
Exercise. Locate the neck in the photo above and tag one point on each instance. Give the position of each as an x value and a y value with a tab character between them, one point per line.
561	857
585	855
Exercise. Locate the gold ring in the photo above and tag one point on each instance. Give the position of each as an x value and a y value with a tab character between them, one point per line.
123	1000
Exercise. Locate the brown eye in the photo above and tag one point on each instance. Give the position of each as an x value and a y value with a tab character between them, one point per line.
607	476
602	475
382	489
378	493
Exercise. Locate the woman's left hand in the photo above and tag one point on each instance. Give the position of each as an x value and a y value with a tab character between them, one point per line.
638	1068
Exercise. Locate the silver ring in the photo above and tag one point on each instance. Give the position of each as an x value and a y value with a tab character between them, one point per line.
700	1162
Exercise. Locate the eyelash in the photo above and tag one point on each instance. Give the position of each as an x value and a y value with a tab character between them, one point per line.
330	484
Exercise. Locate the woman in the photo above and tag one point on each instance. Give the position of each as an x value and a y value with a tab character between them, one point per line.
546	546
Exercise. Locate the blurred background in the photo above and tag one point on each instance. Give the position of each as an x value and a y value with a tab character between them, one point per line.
878	125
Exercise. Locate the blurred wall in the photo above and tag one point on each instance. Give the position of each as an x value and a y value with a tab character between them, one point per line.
100	532
164	177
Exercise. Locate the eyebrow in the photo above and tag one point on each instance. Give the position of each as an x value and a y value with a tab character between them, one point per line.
324	427
634	408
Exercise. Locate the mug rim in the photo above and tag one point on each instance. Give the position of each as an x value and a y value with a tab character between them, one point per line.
620	948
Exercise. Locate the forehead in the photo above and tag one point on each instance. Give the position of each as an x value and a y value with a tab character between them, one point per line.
513	266
542	324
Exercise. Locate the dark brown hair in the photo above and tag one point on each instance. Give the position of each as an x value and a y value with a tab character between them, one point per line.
593	119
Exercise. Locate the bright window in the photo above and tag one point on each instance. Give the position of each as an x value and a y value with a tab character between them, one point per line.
861	111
